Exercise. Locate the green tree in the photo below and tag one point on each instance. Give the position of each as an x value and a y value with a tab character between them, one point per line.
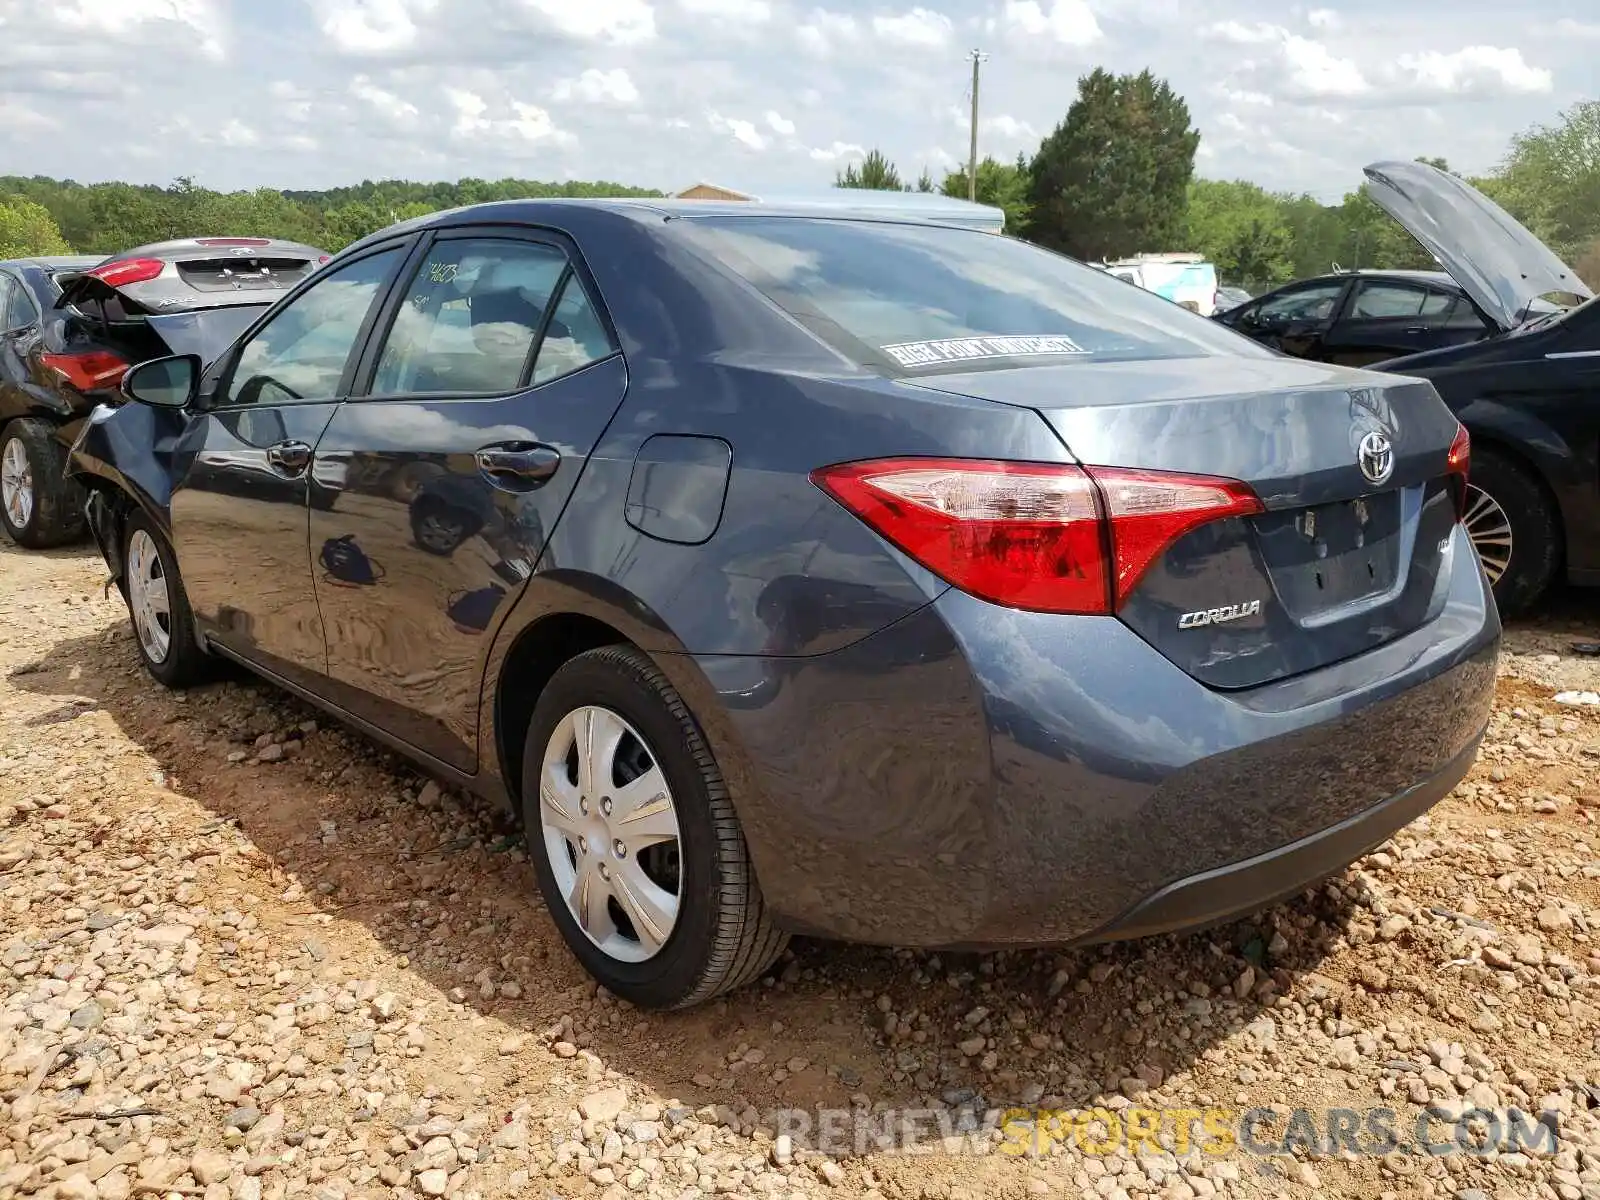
1112	178
1241	228
1550	180
876	174
1004	185
27	229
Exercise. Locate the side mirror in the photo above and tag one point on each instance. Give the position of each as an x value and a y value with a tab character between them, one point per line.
164	382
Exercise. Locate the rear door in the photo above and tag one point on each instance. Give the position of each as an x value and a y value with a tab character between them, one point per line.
1386	318
493	378
238	507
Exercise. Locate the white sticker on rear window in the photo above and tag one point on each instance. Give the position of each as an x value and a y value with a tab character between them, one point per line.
944	350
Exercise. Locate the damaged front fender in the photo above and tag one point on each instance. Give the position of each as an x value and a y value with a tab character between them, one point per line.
126	456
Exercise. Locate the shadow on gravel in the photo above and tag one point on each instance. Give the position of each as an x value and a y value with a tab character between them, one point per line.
443	881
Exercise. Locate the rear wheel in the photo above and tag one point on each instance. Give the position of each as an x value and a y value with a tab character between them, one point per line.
635	843
1513	526
39	506
163	626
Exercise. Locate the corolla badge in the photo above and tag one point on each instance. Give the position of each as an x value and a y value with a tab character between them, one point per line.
1219	616
1375	456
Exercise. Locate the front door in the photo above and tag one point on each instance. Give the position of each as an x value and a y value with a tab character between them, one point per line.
493	382
239	505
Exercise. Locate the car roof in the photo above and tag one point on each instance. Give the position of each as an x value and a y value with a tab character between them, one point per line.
55	262
639	207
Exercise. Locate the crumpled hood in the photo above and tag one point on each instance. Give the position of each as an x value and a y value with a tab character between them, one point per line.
1502	266
206	332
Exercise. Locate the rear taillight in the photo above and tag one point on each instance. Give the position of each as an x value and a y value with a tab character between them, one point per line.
1041	537
89	370
133	270
233	241
1456	466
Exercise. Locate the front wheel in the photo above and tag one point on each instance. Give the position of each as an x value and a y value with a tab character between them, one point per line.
638	852
1513	527
163	626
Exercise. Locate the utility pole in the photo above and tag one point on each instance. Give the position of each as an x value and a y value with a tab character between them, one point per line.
972	155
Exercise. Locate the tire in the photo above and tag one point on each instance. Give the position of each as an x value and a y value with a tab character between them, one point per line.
1521	545
39	506
182	661
721	937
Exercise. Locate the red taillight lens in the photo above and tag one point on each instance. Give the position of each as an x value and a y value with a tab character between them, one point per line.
1456	466
133	270
91	370
1034	536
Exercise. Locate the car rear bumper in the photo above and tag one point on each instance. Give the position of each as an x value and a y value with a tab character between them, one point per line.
976	777
1239	889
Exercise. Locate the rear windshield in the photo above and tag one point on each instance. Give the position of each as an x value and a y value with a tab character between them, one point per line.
916	298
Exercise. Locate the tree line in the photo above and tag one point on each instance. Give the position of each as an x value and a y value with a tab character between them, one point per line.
39	215
1116	177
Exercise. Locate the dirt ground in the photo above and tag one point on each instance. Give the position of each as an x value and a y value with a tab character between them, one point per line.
246	954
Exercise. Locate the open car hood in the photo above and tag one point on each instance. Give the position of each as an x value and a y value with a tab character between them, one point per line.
1502	266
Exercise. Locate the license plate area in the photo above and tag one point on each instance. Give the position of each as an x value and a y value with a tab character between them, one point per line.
1331	555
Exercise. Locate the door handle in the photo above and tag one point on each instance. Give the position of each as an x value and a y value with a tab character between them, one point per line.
291	458
518	466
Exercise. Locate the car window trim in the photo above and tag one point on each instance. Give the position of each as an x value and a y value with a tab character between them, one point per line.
360	391
224	379
1340	297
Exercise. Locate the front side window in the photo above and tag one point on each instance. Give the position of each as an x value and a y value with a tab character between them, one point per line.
911	298
471	316
1315	302
300	355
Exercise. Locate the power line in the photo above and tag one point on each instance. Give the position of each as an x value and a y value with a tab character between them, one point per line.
977	56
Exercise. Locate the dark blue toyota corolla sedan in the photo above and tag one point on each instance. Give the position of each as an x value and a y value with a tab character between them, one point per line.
804	573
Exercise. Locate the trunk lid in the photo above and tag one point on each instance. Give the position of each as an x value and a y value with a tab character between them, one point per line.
193	274
1503	267
1342	560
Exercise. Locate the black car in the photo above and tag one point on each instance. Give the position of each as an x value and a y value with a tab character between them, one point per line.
70	327
1357	318
1509	336
809	572
1528	392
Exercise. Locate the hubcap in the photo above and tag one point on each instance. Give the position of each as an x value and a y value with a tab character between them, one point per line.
610	832
1490	530
148	600
16	484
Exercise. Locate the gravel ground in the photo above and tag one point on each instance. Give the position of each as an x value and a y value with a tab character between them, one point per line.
244	953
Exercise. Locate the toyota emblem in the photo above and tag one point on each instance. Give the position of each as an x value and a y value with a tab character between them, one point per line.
1375	456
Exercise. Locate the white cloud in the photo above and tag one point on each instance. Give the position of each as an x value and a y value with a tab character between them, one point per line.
386	102
1304	68
741	131
526	124
595	86
372	27
1323	18
779	123
1006	126
919	27
237	133
620	22
1474	70
752	11
827	31
123	17
838	152
1069	22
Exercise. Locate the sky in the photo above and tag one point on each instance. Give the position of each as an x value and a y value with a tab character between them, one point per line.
761	95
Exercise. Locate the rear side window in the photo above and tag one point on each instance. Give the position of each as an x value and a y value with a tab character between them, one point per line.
915	298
